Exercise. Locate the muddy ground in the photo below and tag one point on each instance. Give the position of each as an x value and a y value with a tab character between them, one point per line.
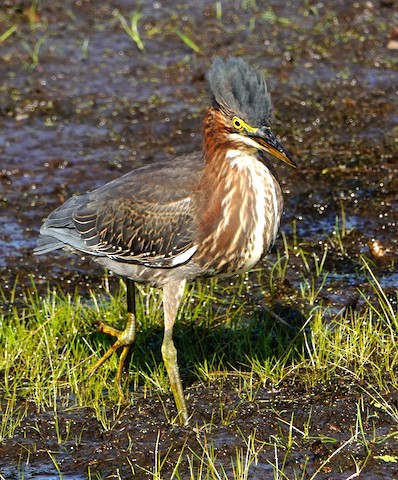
80	104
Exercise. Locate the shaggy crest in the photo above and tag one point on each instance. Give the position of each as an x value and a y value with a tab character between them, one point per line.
240	90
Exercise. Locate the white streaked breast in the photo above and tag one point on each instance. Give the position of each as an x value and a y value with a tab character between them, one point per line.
264	189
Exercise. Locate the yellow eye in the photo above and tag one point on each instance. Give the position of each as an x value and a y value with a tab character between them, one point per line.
238	123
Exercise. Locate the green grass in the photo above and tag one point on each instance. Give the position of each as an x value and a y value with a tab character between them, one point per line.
132	28
189	42
48	343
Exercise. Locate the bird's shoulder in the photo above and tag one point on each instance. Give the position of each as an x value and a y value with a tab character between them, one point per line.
156	183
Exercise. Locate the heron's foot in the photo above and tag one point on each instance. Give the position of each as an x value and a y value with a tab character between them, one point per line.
169	354
125	340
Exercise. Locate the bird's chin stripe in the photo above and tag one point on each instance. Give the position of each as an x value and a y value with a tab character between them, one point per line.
246	140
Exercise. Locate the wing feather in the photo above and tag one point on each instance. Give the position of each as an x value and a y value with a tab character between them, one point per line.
145	217
129	230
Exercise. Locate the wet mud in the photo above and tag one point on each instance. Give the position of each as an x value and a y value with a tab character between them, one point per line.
80	104
141	434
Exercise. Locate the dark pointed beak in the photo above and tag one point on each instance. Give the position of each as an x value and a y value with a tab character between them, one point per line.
268	142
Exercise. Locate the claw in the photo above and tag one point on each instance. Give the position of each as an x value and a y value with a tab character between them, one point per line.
125	340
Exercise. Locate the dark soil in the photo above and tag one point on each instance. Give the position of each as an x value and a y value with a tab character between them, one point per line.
141	433
92	107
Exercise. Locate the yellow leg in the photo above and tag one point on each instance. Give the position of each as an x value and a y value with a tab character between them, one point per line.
172	296
125	340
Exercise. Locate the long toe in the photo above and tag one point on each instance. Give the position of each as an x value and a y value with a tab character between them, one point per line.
125	339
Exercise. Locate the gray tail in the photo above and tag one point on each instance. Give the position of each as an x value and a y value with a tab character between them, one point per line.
47	244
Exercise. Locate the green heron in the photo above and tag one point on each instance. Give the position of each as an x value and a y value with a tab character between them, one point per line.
214	213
